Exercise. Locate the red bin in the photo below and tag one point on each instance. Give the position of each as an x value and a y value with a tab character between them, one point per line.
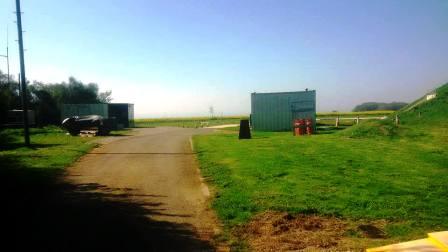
309	126
299	127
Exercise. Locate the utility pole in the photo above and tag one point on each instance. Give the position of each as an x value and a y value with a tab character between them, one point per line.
26	129
7	54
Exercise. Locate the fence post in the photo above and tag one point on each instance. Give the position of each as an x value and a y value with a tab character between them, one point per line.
337	122
357	120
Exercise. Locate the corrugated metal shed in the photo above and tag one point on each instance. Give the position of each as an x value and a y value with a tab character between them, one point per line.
69	110
277	111
123	112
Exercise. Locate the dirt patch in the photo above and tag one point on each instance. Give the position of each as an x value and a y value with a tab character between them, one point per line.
274	231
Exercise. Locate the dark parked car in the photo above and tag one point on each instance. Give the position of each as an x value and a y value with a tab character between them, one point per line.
75	124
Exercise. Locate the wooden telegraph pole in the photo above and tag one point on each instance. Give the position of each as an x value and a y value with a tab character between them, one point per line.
26	129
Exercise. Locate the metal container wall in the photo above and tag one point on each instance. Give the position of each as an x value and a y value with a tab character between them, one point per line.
277	111
131	115
15	117
123	112
69	110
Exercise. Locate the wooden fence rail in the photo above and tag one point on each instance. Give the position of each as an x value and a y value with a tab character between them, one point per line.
355	119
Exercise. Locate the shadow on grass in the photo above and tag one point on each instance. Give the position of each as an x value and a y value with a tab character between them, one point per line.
11	139
16	145
119	133
41	211
323	130
6	139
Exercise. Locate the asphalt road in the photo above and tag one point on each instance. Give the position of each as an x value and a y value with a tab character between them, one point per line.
144	193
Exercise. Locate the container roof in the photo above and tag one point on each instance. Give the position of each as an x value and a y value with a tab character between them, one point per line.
290	92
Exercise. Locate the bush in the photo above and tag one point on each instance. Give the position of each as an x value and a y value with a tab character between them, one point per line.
372	106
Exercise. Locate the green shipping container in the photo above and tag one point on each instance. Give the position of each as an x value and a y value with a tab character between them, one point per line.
277	111
69	110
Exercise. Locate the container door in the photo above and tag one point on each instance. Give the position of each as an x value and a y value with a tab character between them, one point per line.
302	109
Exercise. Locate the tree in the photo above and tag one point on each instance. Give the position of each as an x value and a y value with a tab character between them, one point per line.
47	99
105	97
9	96
45	106
77	92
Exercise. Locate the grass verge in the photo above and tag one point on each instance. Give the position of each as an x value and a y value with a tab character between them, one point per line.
400	181
51	148
375	113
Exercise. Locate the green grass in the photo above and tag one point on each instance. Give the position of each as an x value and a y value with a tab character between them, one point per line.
373	171
327	174
187	122
50	149
376	113
328	119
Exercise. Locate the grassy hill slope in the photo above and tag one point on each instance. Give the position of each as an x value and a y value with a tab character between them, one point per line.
427	118
432	113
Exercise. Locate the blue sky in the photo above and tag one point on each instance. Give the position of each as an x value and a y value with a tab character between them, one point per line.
177	58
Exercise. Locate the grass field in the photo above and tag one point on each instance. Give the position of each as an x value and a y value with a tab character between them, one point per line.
187	122
196	122
373	171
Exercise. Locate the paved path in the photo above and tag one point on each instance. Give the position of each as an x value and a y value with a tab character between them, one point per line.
152	178
222	126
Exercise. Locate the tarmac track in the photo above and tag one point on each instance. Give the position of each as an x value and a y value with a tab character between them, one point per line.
151	194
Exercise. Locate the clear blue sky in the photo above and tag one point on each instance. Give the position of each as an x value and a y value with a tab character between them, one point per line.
173	57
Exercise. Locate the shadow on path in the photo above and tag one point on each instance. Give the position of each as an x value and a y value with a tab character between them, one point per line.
40	212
